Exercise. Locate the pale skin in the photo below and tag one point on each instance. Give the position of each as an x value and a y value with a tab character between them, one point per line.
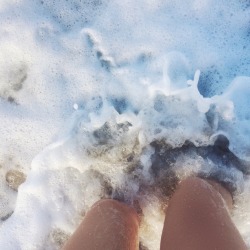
197	217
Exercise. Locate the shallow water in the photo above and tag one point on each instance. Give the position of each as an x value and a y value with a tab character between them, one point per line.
118	99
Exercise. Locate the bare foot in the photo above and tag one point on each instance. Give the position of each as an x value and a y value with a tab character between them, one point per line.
226	195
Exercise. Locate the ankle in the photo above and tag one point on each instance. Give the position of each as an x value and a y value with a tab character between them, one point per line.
226	195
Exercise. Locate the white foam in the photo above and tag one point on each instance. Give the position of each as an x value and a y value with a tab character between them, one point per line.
85	87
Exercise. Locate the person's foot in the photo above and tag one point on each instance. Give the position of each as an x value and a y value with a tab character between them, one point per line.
198	218
226	195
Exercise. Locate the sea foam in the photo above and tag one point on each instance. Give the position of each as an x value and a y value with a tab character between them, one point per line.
110	99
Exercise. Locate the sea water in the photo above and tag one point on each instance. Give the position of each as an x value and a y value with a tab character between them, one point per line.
117	99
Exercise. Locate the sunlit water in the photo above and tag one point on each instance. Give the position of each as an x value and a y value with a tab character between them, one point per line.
118	99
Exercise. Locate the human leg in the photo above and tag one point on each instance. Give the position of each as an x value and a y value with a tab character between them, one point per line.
109	225
198	218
